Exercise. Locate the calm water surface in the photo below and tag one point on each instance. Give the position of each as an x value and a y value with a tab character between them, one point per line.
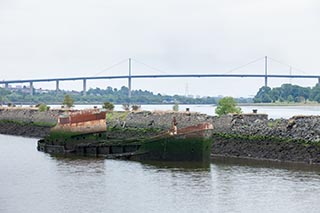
272	111
32	181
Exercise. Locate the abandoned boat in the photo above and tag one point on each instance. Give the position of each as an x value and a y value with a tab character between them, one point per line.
84	133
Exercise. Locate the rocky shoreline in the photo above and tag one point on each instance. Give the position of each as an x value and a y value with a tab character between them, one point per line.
23	129
252	136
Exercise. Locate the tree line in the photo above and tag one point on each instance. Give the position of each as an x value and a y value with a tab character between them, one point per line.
98	95
288	93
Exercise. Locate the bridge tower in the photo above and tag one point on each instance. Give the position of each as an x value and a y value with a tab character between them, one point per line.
57	86
129	80
84	87
266	71
31	87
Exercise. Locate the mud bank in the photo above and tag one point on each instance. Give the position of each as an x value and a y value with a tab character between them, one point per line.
275	149
23	129
27	122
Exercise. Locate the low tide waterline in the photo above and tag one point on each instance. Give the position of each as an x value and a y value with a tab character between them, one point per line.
272	111
33	181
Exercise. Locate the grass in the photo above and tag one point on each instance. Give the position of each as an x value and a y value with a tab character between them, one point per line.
266	138
114	116
274	123
24	123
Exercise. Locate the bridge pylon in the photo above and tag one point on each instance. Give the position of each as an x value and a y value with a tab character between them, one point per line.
266	71
129	80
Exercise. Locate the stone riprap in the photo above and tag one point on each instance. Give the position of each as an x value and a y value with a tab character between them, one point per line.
158	119
305	128
245	135
29	115
26	121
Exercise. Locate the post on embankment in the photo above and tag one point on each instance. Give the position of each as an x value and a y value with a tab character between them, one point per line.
31	88
265	71
6	86
57	86
129	80
84	91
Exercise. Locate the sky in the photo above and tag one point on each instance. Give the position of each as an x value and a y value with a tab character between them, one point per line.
75	38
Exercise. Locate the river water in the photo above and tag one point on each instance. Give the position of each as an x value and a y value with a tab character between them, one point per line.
32	181
272	111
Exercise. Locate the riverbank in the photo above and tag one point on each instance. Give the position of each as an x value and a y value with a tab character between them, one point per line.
32	130
281	104
251	135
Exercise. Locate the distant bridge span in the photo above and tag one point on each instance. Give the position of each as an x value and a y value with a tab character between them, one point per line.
130	77
161	76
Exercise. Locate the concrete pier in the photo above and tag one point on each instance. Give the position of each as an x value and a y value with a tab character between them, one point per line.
84	87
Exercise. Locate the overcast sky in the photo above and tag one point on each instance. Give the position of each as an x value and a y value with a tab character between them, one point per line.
69	38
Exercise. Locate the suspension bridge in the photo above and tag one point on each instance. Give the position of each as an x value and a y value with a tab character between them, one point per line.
130	77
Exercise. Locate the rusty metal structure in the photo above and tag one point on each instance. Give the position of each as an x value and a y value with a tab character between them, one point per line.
84	121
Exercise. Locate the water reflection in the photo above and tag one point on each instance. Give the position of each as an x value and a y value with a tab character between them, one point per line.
178	166
228	161
76	164
33	181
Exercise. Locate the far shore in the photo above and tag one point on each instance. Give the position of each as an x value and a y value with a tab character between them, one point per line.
280	104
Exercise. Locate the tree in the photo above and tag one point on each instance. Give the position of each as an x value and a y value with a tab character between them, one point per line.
108	106
227	105
315	93
175	107
68	101
290	98
263	95
43	107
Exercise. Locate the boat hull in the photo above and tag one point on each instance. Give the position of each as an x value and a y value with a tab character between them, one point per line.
175	148
186	147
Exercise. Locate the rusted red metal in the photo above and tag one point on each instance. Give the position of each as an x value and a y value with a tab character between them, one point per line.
199	127
82	116
84	121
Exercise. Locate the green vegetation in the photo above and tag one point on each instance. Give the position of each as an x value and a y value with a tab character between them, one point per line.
264	138
274	123
116	116
68	101
175	107
227	105
98	96
43	108
24	123
108	106
288	93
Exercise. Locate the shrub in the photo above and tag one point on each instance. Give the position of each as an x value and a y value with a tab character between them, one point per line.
68	101
135	107
227	105
108	106
175	107
43	107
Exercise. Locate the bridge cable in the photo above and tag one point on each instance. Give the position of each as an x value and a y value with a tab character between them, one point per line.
151	67
236	68
285	64
112	66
